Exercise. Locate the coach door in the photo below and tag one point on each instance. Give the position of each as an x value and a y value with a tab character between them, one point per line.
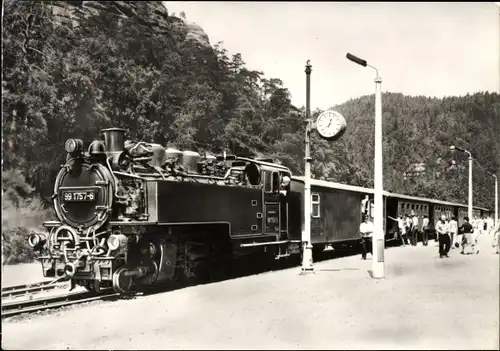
273	220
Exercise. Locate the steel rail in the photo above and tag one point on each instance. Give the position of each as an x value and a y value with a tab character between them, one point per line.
29	306
31	288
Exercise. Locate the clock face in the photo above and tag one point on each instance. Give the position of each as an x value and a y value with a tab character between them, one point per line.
330	125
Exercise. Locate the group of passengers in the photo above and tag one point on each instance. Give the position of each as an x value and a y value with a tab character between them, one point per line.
447	232
410	227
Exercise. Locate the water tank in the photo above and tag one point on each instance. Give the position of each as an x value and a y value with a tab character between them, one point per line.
190	161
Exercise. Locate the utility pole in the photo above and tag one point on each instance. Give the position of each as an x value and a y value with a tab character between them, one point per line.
453	148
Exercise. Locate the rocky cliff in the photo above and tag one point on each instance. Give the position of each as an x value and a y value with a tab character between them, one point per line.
148	13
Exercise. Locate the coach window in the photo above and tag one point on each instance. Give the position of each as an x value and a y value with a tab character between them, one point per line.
315	205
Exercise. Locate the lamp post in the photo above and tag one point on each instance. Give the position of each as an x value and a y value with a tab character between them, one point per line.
307	264
453	148
496	198
378	233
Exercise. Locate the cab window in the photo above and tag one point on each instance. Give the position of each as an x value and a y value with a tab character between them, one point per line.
268	184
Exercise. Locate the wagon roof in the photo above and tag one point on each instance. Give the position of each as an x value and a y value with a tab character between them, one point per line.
334	185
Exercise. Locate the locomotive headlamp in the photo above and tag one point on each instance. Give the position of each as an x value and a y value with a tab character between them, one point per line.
73	145
116	240
113	242
36	240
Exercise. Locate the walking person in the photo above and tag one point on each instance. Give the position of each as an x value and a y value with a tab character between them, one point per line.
454	232
475	237
467	237
425	230
366	231
442	231
496	238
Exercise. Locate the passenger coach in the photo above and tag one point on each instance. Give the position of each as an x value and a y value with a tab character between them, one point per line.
336	212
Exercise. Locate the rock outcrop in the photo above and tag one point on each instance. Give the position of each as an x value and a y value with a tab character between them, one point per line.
149	13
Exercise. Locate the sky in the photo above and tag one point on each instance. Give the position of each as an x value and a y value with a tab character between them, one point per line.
431	49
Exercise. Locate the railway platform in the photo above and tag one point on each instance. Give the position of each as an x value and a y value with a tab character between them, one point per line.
424	302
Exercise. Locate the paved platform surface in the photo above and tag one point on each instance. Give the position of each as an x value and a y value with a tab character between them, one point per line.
423	303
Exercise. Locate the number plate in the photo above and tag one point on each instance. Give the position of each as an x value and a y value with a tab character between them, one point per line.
79	195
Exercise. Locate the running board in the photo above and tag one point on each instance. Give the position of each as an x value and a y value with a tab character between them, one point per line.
270	243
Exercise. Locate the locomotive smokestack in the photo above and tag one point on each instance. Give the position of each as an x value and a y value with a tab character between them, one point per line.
114	138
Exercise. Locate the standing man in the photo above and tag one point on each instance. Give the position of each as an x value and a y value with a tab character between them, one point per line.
366	231
401	227
408	228
425	230
490	225
395	227
436	235
443	237
414	229
454	232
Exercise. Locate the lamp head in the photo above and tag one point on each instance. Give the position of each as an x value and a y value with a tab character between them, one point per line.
355	59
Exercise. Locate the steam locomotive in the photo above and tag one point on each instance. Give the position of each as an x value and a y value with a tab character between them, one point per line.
136	214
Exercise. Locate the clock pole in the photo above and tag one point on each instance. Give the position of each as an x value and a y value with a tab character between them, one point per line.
307	259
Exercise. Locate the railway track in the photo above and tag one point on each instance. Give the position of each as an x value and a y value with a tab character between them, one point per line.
31	289
13	308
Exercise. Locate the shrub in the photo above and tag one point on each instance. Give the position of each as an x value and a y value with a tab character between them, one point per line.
21	215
